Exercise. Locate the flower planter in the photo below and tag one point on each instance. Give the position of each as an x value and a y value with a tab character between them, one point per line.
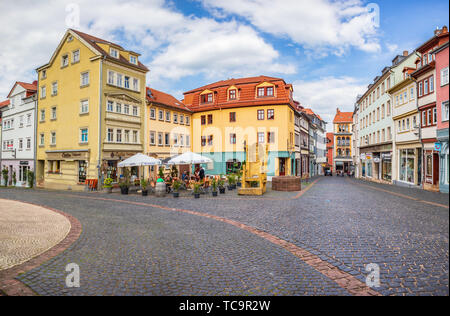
124	191
176	194
144	192
214	193
222	190
108	190
230	188
239	184
197	195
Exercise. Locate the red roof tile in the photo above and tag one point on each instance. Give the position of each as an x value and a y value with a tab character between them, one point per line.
31	88
343	117
165	99
4	103
246	94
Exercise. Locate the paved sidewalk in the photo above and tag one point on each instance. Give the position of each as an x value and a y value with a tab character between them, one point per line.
26	231
432	197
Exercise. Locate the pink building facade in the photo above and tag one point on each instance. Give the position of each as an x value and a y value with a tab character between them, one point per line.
442	104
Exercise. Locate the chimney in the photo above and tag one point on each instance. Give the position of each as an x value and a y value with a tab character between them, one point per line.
35	83
338	111
405	53
444	29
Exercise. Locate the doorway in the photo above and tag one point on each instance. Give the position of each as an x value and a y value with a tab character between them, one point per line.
435	169
282	166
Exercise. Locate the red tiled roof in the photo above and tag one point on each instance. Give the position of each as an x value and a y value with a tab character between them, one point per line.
231	82
247	94
165	99
31	88
92	40
4	103
311	112
343	117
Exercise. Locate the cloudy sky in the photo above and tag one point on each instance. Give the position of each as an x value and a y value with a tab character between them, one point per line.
329	49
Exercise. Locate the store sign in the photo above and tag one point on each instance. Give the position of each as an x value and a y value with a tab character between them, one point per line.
24	163
376	160
437	146
363	156
369	157
386	156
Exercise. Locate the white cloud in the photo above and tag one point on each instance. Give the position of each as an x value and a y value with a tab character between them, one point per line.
172	45
217	50
323	96
319	24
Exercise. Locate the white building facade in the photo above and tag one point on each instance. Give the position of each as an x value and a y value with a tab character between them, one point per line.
18	134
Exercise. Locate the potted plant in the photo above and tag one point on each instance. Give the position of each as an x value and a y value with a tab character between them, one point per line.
30	177
214	187
176	188
161	172
197	190
107	185
144	185
174	172
14	178
5	176
230	178
239	178
221	185
125	183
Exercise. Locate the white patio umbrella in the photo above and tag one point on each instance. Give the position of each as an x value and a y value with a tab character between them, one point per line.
139	160
189	158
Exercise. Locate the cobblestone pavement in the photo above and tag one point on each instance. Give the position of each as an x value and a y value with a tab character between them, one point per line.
27	231
132	249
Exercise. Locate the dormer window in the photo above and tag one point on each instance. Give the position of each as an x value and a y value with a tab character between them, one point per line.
232	95
265	92
261	92
133	60
207	98
114	53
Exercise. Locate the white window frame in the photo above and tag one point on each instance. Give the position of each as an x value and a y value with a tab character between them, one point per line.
111	76
53	113
446	113
114	53
444	78
81	135
74	58
82	77
65	64
53	138
82	107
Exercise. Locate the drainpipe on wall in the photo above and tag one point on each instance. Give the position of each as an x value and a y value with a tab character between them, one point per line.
35	131
100	107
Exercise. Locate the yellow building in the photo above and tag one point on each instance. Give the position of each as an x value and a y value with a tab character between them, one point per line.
90	113
258	110
342	124
169	127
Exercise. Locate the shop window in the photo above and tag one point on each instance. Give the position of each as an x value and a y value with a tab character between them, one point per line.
82	171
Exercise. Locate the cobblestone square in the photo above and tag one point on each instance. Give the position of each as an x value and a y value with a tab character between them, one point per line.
318	242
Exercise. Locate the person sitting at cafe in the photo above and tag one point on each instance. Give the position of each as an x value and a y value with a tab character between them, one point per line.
201	174
197	173
168	181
